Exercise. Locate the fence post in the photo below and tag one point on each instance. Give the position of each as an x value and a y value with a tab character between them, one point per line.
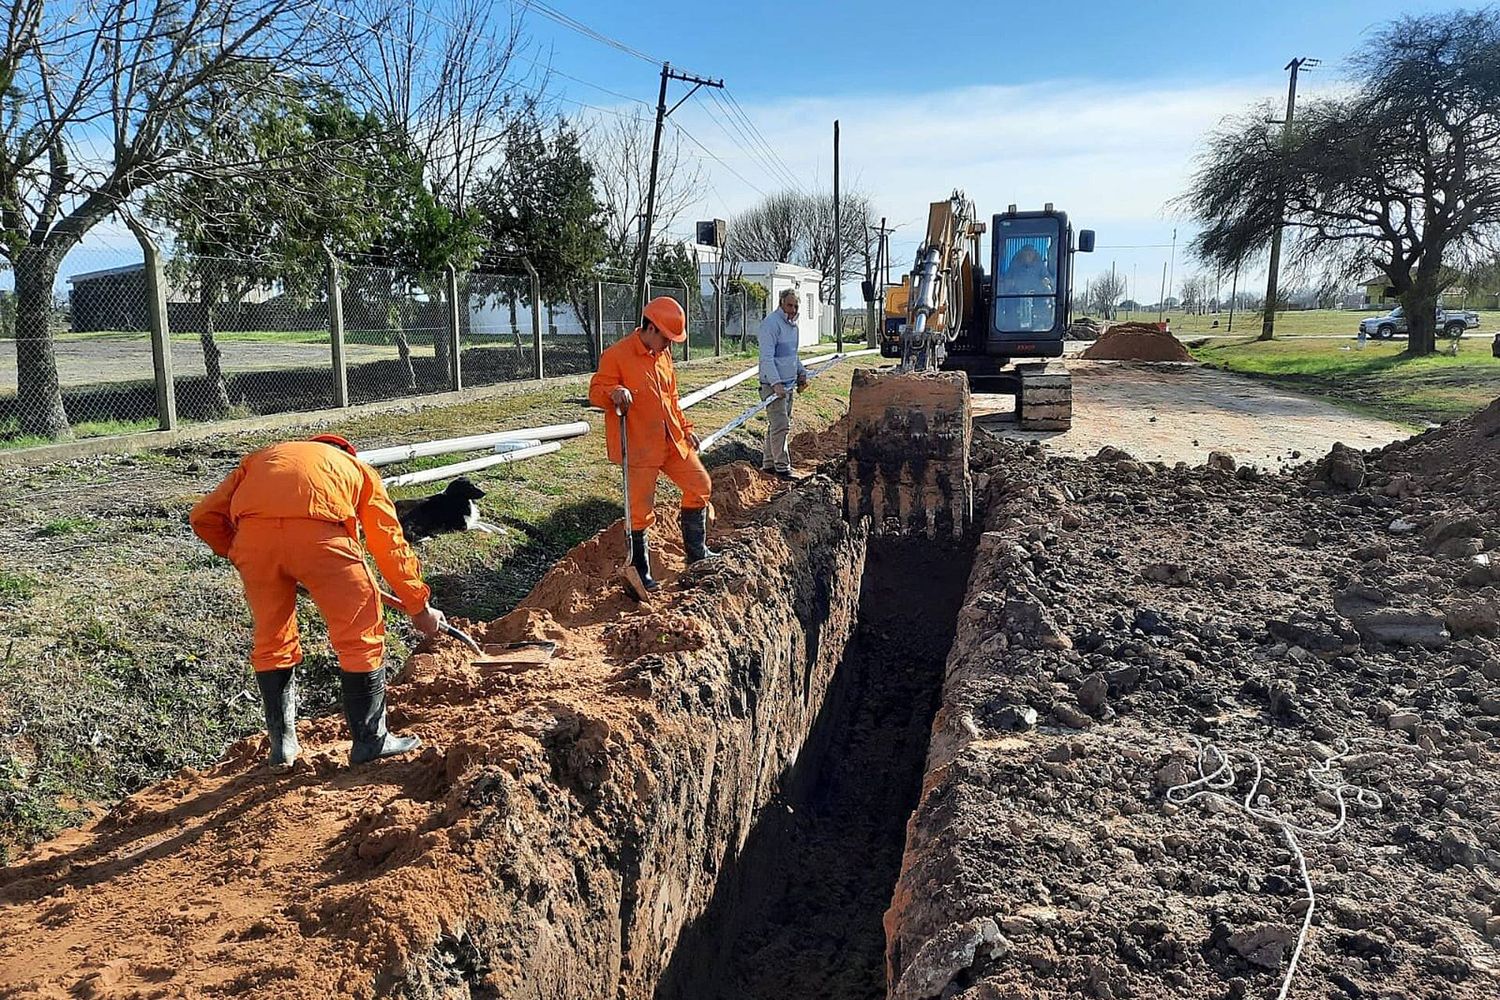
598	317
687	311
336	332
161	334
536	319
455	364
718	318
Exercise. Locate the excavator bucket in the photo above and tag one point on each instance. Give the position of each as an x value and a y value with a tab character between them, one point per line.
909	452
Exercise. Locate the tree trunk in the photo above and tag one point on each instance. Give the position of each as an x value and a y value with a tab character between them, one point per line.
213	358
1420	306
1420	301
403	347
580	300
39	397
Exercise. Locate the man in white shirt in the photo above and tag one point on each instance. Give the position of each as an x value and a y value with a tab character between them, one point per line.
780	371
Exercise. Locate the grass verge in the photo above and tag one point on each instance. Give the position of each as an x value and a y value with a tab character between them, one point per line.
1380	379
125	647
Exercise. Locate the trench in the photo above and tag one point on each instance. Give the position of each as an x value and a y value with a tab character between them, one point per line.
798	912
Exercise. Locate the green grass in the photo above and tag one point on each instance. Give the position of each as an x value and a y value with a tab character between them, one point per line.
16	586
1381	379
10	437
63	526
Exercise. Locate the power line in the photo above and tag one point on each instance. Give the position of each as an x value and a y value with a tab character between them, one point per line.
754	130
573	24
694	140
745	145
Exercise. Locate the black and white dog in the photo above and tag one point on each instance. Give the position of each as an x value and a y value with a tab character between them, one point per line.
454	509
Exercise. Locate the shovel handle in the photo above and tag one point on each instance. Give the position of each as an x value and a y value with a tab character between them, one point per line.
452	631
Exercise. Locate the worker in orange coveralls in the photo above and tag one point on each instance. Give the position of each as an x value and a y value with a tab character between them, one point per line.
288	515
636	377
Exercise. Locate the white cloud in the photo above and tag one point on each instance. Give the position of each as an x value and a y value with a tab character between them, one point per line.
1111	155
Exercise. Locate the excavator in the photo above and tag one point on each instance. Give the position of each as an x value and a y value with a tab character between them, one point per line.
954	321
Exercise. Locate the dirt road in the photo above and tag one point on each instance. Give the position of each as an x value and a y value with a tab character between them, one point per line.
1179	413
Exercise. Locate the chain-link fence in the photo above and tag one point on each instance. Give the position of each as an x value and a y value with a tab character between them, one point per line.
246	341
77	351
239	338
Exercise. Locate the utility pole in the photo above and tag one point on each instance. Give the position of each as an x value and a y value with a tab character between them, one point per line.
1172	271
643	279
1234	293
1161	303
1112	290
838	248
1268	319
883	277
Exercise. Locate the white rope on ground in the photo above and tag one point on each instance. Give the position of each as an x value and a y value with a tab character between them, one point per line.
818	367
1213	785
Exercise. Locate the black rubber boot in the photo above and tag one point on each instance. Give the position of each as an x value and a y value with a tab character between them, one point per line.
278	693
640	558
695	535
364	709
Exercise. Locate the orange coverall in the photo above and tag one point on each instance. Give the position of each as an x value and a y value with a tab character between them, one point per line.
291	514
655	423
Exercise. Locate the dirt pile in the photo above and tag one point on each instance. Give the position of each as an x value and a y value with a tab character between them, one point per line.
1136	342
561	826
1112	629
1461	455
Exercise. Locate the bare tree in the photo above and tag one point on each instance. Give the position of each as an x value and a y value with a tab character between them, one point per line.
1103	293
796	228
620	153
450	89
1196	290
90	95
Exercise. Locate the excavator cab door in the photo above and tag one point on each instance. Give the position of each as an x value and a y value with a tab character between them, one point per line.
1029	291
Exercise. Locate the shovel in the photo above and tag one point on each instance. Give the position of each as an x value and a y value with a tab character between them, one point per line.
629	575
510	654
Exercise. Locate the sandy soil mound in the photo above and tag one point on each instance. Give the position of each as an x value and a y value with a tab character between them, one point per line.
1136	342
330	882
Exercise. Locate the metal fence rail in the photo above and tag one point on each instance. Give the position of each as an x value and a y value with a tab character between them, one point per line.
150	341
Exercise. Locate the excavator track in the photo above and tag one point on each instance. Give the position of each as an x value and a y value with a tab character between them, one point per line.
1044	398
908	465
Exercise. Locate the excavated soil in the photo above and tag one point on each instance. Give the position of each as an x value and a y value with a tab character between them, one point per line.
1345	612
1136	342
561	826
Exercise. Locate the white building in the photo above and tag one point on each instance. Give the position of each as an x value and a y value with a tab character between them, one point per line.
774	277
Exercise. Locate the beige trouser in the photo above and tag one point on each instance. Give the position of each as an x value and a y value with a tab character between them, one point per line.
776	455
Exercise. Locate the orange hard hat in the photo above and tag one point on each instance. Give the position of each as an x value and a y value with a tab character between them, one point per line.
342	443
665	313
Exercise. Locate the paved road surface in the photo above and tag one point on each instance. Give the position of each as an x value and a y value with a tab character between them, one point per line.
1179	413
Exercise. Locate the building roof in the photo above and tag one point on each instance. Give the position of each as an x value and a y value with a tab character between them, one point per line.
106	272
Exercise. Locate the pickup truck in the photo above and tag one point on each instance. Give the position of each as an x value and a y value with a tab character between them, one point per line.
1450	323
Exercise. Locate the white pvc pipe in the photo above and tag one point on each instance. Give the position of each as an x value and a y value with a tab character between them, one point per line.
505	446
819	368
715	388
474	442
473	465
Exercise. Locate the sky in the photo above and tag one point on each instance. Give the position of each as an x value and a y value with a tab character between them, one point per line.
1099	108
1096	107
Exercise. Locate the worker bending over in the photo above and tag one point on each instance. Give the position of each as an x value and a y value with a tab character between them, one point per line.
636	377
290	514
